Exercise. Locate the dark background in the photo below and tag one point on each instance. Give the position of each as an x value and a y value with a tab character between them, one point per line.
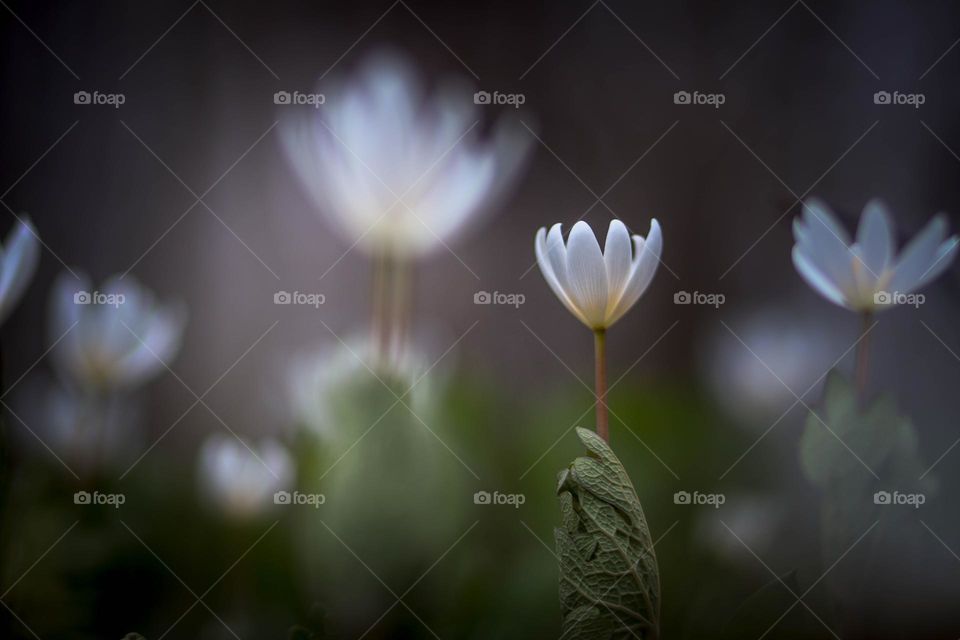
799	117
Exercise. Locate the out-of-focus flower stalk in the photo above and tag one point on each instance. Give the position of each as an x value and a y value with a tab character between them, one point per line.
392	305
863	353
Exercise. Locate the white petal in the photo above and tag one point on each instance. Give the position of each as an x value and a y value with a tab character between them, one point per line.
552	258
647	259
817	280
815	208
550	267
823	243
21	253
924	258
875	237
155	348
587	275
618	260
457	190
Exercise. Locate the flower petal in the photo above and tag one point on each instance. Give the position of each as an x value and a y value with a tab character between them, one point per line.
20	255
546	266
155	346
824	245
924	258
618	260
875	238
552	258
817	280
647	259
587	275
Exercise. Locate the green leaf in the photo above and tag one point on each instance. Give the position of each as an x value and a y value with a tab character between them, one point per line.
609	582
843	445
841	441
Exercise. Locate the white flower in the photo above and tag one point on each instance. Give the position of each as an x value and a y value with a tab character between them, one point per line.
786	337
18	261
396	169
319	383
598	288
867	275
120	337
240	480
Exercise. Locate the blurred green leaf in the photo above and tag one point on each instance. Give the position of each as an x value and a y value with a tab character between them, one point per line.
857	455
878	436
609	582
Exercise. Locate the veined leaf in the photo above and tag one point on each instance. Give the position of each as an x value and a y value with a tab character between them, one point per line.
609	582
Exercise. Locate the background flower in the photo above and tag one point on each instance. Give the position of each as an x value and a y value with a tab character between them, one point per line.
396	169
318	382
241	480
117	337
867	275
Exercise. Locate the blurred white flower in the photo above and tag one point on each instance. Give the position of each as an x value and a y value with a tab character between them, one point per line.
241	480
90	432
598	288
867	275
317	383
756	519
120	336
18	262
400	171
787	338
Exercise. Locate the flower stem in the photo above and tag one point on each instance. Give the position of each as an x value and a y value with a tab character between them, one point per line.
600	356
402	289
863	357
381	306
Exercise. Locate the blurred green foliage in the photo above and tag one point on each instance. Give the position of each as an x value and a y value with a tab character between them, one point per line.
399	522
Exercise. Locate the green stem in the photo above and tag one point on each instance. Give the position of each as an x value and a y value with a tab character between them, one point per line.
600	357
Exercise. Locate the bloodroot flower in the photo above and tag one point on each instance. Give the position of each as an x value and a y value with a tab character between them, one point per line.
241	480
599	287
114	338
398	169
866	275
